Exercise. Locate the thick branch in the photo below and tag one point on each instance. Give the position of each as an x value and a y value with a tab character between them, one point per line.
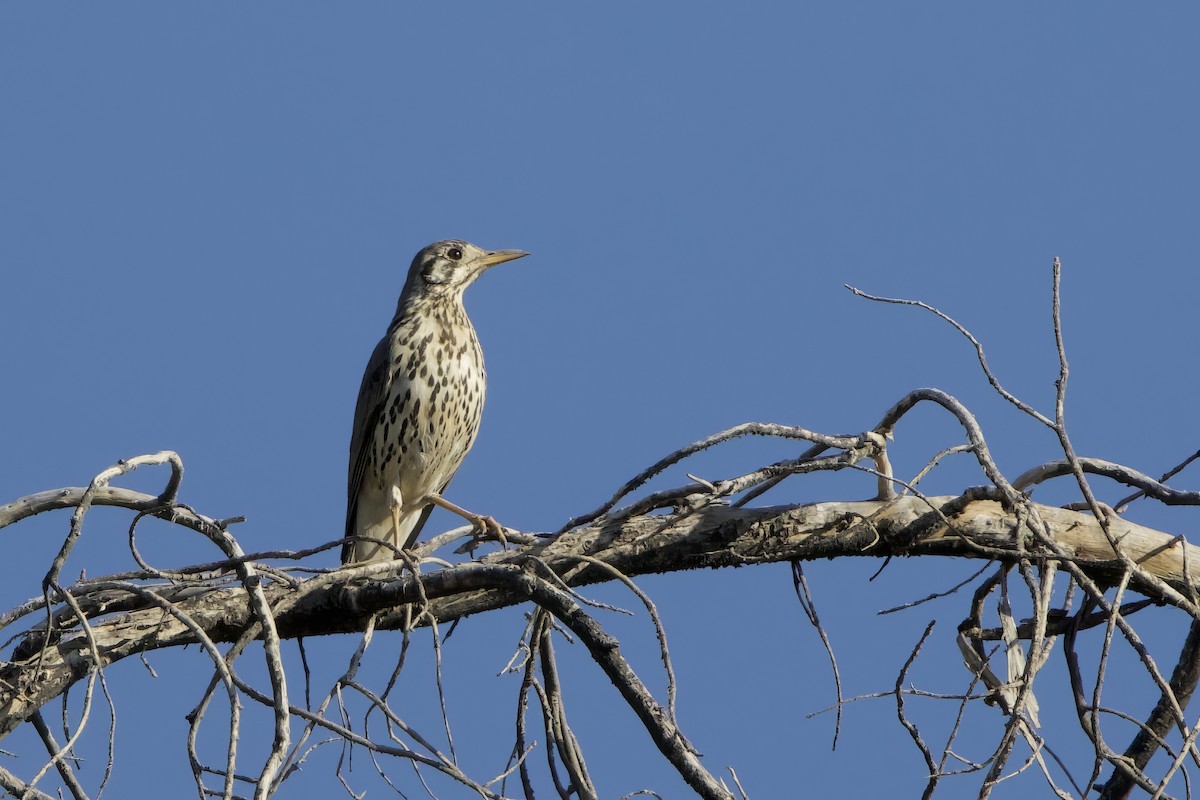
717	536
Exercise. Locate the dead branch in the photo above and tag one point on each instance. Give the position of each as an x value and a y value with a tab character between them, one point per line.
1042	560
716	536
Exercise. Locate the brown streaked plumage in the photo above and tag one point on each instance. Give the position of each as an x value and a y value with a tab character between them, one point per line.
419	405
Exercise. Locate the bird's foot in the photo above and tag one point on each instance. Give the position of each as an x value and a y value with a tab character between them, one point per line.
484	529
487	530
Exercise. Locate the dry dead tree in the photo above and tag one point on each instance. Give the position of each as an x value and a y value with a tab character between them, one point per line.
1073	568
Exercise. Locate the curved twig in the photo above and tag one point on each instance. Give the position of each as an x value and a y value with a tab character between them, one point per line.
1128	476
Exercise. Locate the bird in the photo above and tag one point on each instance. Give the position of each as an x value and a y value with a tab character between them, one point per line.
419	406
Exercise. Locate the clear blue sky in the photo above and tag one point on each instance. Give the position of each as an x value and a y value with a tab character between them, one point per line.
207	211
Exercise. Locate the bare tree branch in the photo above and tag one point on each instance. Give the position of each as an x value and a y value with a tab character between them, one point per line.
1066	571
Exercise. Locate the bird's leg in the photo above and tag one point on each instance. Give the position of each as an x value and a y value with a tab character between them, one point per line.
485	525
396	506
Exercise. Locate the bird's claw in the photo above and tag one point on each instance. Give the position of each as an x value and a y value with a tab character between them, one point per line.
488	529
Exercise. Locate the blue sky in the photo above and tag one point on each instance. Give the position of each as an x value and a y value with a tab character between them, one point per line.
208	211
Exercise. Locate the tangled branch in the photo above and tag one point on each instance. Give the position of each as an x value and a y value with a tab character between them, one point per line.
1070	571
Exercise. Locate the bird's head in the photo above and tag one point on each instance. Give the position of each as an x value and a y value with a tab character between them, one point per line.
447	268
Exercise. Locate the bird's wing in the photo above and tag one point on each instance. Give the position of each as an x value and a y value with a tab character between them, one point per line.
416	530
371	397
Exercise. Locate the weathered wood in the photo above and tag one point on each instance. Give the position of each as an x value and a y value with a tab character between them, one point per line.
711	536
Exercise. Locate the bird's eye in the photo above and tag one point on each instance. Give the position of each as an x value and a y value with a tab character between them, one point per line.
454	254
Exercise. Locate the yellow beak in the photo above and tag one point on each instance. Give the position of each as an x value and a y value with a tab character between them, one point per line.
500	256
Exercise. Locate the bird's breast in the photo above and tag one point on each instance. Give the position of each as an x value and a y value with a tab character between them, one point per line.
433	407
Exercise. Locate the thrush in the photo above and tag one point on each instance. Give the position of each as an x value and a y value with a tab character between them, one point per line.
419	405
